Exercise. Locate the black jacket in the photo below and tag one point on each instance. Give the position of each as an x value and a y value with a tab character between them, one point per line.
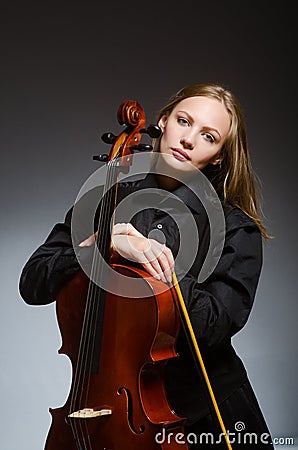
218	307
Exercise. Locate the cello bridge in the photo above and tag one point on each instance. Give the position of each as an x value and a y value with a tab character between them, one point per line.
89	413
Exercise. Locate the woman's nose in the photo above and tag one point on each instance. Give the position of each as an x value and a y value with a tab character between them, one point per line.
187	142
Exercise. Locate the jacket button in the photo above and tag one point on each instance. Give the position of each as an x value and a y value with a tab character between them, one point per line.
159	226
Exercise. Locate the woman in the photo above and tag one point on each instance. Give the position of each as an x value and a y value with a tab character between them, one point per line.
202	130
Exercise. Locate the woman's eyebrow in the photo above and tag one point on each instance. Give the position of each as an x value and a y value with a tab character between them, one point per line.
186	113
212	129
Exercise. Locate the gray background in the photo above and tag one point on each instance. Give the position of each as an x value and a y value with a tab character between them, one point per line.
64	71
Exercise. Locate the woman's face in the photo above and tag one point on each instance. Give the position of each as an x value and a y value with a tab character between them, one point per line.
194	133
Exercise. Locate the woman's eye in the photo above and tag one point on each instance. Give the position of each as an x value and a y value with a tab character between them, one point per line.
209	137
183	121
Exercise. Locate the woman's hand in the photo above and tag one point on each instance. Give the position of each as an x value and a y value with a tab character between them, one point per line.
156	258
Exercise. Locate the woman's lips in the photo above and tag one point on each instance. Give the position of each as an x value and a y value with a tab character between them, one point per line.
180	154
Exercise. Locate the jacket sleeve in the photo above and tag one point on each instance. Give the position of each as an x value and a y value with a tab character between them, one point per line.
220	306
55	262
50	266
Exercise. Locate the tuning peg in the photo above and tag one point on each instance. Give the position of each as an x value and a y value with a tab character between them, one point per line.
101	158
153	130
141	147
108	138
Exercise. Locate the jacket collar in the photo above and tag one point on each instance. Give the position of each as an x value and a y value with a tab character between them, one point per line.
188	195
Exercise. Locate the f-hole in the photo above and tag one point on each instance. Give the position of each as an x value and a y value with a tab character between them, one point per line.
134	429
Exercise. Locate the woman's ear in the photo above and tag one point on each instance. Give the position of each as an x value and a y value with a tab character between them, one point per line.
217	159
162	122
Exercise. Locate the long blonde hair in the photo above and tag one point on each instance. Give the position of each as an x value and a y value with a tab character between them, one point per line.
234	179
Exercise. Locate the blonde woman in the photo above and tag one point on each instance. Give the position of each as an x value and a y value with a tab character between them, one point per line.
203	131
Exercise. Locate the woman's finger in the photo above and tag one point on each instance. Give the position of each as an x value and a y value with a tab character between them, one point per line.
126	228
164	259
153	263
89	241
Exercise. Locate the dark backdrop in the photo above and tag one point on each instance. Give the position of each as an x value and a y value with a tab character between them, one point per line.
65	68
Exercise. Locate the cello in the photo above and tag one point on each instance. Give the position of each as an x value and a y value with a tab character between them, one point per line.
118	345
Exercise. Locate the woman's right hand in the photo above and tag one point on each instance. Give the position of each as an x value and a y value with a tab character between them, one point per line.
156	258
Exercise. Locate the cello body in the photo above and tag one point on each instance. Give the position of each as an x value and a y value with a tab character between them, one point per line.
121	404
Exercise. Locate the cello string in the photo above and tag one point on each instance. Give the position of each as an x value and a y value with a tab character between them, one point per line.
96	293
97	300
76	402
80	440
96	274
84	348
194	342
